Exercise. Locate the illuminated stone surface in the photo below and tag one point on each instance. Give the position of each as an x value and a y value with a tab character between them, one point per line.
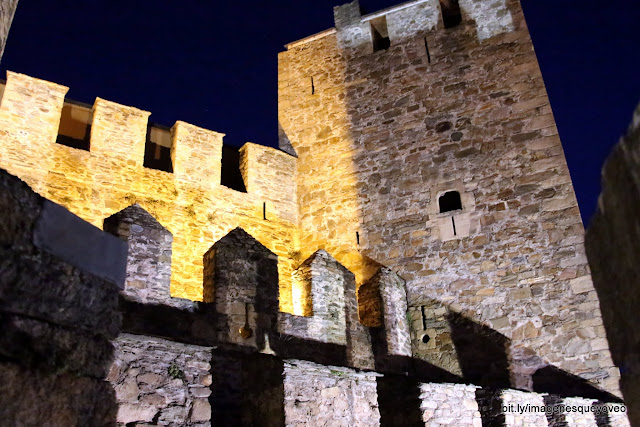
385	133
493	293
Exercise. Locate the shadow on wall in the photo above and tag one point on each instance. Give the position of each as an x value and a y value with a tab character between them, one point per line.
245	299
241	322
241	374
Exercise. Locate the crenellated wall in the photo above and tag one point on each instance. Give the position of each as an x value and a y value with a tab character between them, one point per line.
110	176
382	116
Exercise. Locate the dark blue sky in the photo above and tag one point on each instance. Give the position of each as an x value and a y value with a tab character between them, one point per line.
215	65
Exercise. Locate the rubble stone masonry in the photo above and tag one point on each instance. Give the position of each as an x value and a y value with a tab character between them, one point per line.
381	135
161	382
423	182
190	202
320	395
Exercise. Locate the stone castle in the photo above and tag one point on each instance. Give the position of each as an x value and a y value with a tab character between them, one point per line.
413	254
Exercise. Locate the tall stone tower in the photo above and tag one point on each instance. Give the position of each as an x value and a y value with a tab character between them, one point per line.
426	143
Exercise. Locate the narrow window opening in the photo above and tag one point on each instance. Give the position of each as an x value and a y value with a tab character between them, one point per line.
313	87
451	14
230	174
453	222
424	318
358	238
450	201
380	34
157	150
426	45
264	210
75	126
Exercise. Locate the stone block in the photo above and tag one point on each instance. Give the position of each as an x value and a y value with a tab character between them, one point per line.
391	302
155	379
327	395
443	403
79	243
35	106
334	318
269	174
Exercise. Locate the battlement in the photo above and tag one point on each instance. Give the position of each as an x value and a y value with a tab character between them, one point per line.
412	19
101	159
419	260
222	347
120	134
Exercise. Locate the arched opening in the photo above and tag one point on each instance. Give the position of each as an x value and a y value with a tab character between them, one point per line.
450	201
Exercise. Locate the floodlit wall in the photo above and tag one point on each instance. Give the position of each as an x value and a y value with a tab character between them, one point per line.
390	111
110	176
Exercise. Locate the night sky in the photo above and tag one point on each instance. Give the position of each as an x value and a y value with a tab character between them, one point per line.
215	65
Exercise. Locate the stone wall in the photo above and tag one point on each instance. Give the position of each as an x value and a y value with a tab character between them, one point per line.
383	302
612	245
58	311
190	202
7	10
317	395
148	257
328	298
577	418
449	404
521	408
460	109
161	382
241	280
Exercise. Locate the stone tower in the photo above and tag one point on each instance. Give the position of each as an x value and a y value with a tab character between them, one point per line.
426	143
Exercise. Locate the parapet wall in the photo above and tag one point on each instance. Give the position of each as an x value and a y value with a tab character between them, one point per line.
58	313
190	202
58	317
